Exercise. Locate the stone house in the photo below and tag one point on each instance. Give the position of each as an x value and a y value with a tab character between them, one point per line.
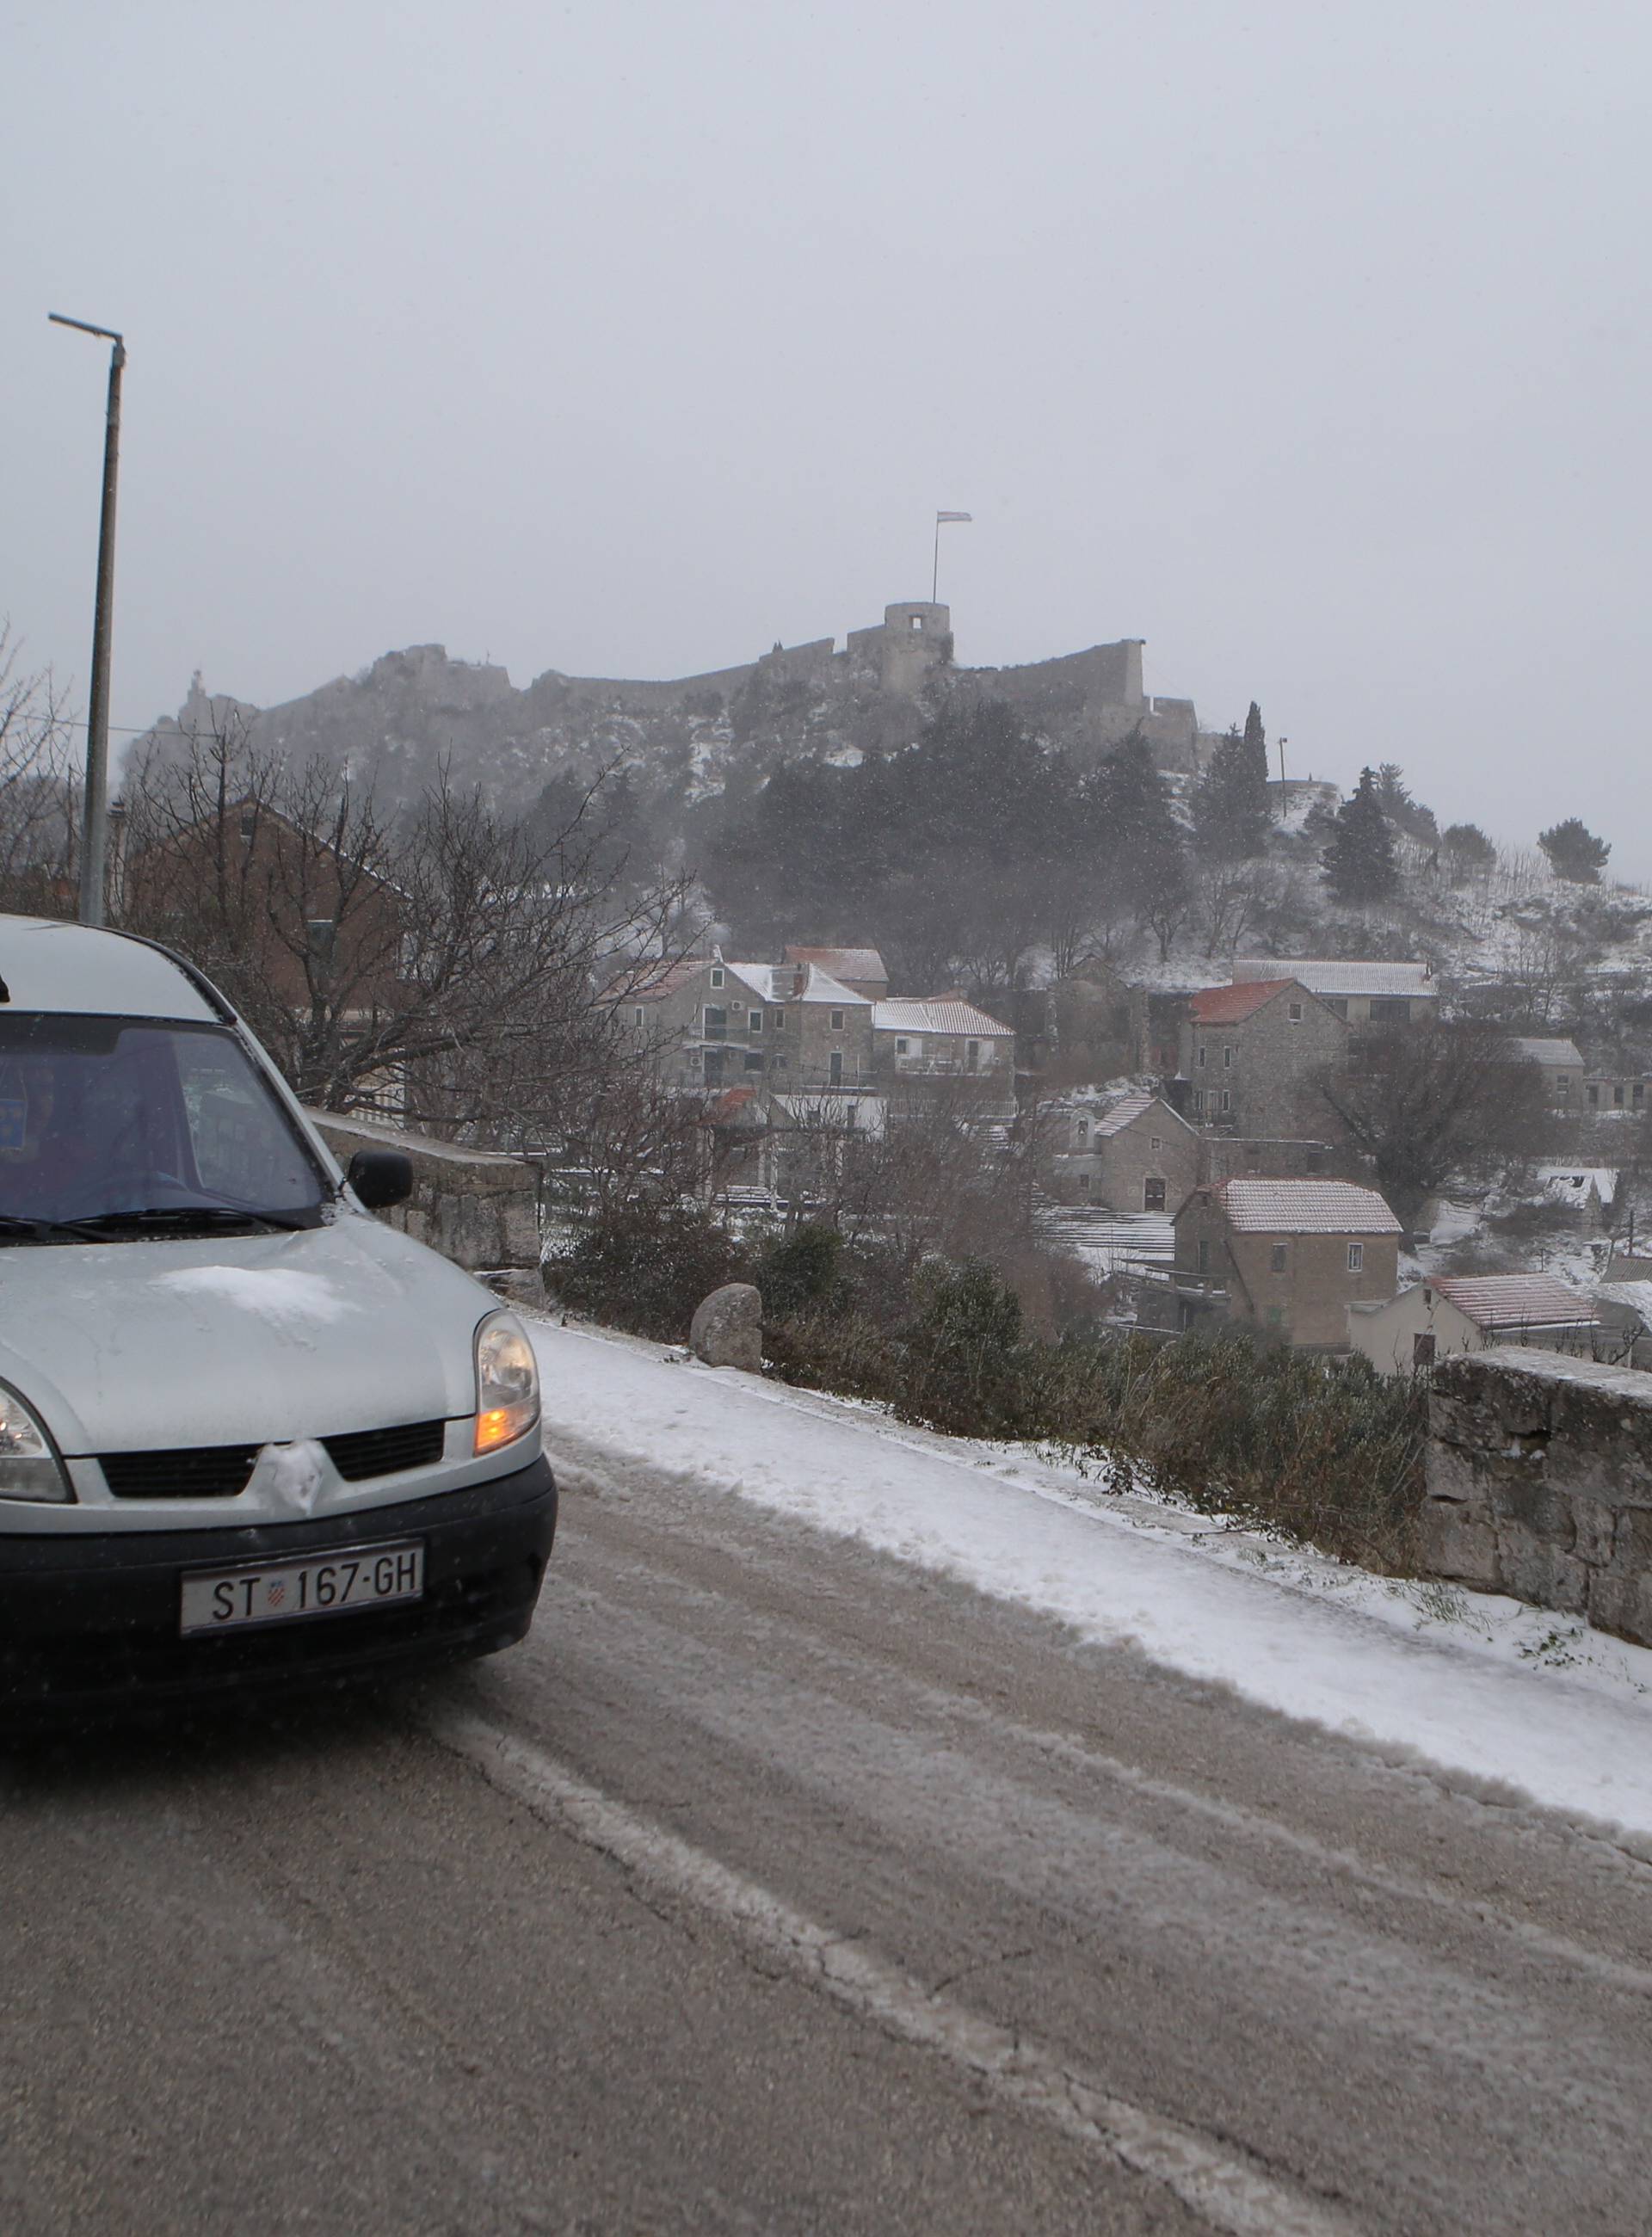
1364	992
861	969
1239	1157
1472	1312
710	1023
1130	1151
1251	1053
944	1038
1561	1065
1286	1259
1613	1090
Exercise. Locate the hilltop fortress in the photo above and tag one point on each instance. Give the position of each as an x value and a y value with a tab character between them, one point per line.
413	713
1092	698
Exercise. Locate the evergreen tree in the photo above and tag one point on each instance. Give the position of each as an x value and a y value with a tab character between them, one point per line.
1256	753
1231	818
1146	858
1359	865
1574	852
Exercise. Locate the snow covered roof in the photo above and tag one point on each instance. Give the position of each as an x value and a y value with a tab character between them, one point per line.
778	982
1118	1114
946	1014
1546	1051
842	962
1637	1295
1326	975
1503	1301
1228	1006
1570	1184
1258	1207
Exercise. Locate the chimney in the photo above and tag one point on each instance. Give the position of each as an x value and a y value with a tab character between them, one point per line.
799	981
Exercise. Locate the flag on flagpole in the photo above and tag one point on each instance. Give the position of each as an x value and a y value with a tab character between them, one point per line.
939	517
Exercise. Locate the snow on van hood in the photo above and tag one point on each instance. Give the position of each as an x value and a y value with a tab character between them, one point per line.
231	1340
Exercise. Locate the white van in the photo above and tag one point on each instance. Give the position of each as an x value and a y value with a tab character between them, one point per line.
249	1435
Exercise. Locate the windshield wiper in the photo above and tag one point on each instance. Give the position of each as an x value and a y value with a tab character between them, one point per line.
15	1227
152	1217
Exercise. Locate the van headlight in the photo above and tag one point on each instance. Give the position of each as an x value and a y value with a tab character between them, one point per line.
507	1383
30	1468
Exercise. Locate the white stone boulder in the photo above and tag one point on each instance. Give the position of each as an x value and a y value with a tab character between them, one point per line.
727	1328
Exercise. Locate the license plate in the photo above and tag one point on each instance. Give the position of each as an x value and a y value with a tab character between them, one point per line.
326	1584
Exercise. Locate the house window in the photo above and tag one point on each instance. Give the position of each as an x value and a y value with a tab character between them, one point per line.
1617	1098
1563	1088
1227	1099
757	1021
1339	1003
1084	1183
899	1048
1155	1143
1277	1258
1081	1130
1152	1195
1423	1349
1356	1257
1294	1012
1637	1092
780	1021
1204	1256
837	1066
637	1016
754	1059
1199	1058
1594	1095
716	978
1227	1058
917	621
717	1021
837	1022
972	1058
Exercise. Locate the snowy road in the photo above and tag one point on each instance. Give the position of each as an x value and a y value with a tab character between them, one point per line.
780	1884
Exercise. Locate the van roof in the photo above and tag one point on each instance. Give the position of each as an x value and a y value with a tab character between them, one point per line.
71	969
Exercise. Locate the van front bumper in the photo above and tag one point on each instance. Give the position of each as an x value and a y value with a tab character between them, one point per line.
92	1620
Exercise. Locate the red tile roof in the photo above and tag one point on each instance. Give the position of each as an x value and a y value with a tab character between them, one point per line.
1227	1006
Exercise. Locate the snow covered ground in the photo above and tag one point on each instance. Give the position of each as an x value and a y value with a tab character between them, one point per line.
1516	1696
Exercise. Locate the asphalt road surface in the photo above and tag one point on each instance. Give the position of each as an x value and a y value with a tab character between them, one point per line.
774	1887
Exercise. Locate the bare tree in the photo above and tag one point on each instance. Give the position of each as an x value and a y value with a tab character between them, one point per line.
1427	1106
39	798
451	966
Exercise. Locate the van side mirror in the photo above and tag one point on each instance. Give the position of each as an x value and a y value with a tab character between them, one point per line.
380	1177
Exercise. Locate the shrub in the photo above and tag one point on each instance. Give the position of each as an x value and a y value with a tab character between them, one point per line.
801	1272
646	1267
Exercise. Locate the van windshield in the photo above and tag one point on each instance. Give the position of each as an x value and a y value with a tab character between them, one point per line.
112	1124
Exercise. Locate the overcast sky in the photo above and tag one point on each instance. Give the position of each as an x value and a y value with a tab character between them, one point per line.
1308	342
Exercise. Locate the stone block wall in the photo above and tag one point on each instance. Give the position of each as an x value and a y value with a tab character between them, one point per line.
480	1208
1539	1483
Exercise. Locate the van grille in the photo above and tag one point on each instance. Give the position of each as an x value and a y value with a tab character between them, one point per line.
386	1452
221	1471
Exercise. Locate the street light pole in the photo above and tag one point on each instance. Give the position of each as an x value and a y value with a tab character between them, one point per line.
95	820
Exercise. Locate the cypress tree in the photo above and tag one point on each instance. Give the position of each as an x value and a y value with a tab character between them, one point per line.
1359	865
1231	805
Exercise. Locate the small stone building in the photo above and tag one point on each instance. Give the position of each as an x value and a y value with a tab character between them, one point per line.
944	1038
1561	1065
1287	1257
1130	1151
1251	1053
1472	1312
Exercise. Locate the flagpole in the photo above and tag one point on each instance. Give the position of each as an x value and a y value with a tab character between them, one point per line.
935	575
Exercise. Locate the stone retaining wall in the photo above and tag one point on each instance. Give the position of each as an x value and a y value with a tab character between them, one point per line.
477	1207
1539	1475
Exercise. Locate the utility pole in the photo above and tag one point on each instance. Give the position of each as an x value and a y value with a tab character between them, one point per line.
95	819
1285	797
